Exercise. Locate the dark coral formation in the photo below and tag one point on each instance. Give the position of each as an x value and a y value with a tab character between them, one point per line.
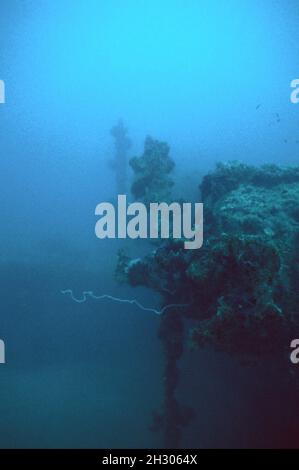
241	287
251	258
152	181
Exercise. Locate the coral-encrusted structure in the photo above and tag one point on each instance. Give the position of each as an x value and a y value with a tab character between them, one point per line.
241	287
152	181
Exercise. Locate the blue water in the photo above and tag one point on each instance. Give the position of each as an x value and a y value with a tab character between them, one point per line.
208	77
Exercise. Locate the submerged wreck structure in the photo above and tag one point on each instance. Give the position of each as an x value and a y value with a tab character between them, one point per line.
152	173
122	144
240	290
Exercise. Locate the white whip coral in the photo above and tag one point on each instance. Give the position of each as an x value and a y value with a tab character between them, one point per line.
86	294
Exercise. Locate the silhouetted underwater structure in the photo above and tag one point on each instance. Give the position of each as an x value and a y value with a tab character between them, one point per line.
119	164
240	290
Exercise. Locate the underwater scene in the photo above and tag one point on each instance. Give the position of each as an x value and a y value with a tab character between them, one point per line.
149	262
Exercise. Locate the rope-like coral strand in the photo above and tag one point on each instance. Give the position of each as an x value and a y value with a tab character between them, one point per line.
90	294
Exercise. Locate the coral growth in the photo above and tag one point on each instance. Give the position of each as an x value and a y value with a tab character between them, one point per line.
241	288
152	181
